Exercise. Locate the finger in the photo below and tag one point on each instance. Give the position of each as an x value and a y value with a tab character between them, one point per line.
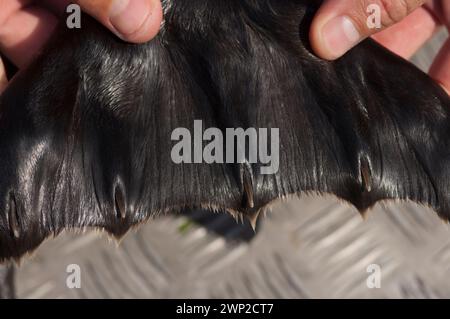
407	36
3	79
132	20
440	70
341	24
24	31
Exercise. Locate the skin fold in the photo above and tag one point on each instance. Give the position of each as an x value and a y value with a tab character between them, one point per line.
85	130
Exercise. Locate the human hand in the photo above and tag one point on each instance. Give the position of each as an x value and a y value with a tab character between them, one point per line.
25	25
405	26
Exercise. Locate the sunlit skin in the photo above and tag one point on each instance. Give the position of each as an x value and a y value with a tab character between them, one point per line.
404	38
25	26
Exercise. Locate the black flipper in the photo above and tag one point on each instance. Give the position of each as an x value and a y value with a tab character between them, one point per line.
86	130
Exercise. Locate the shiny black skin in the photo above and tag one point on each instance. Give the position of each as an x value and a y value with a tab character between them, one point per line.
85	130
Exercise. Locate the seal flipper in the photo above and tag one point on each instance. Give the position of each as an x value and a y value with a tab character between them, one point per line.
86	132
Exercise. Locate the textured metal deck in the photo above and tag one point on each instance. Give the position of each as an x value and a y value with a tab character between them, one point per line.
313	247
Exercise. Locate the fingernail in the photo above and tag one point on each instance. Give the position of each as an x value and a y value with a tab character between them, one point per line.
129	16
340	35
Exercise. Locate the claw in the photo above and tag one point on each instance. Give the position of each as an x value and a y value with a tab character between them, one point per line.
120	203
247	181
13	218
366	174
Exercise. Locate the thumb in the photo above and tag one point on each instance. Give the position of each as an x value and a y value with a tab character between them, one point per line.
339	25
132	20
